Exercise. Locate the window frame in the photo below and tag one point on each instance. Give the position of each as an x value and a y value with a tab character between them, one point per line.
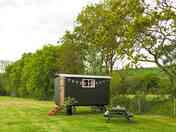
90	83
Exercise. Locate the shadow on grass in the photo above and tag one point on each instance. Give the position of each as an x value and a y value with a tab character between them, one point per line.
122	121
88	115
80	113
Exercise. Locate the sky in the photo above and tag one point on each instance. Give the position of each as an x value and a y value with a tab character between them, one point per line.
26	25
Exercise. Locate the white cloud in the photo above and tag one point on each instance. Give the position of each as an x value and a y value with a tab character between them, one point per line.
4	3
25	25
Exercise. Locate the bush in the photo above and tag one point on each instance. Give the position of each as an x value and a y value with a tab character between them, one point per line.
135	104
161	106
140	104
121	100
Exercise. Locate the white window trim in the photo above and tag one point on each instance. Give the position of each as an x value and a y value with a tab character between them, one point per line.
91	83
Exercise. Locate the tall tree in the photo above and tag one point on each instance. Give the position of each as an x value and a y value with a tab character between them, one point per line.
103	26
152	37
71	55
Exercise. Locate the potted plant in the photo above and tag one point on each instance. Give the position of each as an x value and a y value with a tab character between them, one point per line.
68	103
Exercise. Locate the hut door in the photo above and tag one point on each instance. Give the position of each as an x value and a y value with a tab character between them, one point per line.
61	91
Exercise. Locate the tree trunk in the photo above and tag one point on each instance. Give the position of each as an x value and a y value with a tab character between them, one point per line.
107	68
174	110
139	106
111	68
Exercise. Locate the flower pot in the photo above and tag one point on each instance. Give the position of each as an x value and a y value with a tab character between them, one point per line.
69	110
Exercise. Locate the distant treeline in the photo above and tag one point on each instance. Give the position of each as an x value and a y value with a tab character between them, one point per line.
141	81
141	90
33	74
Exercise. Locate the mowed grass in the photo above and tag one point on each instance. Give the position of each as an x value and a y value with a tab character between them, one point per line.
27	115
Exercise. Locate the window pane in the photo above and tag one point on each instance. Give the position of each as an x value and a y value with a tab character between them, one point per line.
88	83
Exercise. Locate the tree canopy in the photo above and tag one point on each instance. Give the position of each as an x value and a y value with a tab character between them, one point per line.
33	74
102	26
152	37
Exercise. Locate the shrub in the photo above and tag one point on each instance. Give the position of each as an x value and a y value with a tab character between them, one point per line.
121	100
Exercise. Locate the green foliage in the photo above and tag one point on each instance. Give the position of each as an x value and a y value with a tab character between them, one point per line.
69	101
102	26
149	104
142	91
121	100
152	39
70	55
161	106
33	74
134	81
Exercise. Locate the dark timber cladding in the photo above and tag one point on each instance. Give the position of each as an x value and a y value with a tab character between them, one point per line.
86	89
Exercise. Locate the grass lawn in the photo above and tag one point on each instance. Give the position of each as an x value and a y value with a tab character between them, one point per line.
27	115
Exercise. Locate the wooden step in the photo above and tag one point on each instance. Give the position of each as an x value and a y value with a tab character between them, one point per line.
54	110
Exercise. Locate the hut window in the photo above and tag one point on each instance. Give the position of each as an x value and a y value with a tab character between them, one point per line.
88	83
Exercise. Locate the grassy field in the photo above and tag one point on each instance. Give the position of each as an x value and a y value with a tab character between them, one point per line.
26	115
